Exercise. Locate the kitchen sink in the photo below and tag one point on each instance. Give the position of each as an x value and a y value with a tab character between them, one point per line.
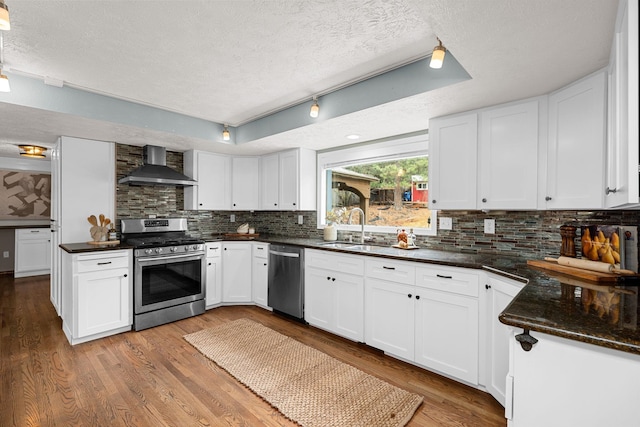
348	245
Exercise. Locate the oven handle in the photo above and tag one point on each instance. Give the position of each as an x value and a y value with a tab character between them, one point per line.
192	255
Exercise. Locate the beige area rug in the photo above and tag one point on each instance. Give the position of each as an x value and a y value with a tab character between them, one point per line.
306	385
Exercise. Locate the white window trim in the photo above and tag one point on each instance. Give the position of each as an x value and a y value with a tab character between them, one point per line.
387	149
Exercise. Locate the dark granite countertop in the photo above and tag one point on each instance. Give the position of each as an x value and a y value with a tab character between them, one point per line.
76	248
10	227
550	303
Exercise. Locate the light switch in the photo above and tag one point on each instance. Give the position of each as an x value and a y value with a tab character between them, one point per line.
300	219
445	223
489	226
232	218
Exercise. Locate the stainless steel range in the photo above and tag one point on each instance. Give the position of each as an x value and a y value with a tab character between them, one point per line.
169	270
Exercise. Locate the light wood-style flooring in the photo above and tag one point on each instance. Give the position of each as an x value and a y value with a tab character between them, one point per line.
155	378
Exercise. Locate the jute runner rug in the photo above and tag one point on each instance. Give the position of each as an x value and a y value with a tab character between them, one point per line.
304	384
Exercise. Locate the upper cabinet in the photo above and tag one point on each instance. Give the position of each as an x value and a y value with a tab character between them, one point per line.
245	176
576	145
213	173
622	188
288	180
453	147
475	157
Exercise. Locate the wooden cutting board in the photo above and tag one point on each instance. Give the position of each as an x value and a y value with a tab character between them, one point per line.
594	276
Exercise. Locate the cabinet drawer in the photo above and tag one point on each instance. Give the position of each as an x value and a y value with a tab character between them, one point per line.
33	233
349	264
87	263
214	249
394	271
448	280
261	250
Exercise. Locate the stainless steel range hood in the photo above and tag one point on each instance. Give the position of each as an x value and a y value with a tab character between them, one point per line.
154	170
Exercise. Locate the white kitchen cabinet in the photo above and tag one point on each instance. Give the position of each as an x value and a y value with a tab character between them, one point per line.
390	306
236	272
260	274
446	334
32	252
499	292
213	175
83	183
288	180
245	185
508	156
562	382
453	165
576	145
214	274
98	299
334	293
622	188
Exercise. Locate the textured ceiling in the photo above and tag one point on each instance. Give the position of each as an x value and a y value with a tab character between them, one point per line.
235	61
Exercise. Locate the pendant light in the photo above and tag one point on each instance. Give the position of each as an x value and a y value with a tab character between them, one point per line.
315	108
5	23
437	57
226	136
32	151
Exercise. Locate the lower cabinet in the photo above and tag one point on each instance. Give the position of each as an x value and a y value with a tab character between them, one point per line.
236	272
32	252
260	273
499	291
334	297
97	294
428	316
213	288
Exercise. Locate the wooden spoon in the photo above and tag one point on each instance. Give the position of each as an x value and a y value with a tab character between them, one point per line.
101	220
93	220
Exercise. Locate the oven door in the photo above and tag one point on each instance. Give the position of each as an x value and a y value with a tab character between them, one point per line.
161	282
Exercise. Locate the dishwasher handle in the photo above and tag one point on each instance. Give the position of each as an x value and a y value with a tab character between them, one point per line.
287	254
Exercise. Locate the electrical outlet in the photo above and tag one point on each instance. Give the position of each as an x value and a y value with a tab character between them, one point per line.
300	219
489	226
152	216
445	223
5	254
232	218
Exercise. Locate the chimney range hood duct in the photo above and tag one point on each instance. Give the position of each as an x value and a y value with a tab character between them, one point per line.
154	170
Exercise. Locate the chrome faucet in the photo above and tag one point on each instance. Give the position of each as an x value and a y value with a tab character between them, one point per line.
361	222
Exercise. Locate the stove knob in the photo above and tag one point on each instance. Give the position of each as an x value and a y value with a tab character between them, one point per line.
186	248
195	247
148	251
158	250
173	249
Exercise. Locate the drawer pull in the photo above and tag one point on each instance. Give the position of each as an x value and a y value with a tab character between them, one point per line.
104	263
259	248
444	277
417	296
409	295
388	268
37	231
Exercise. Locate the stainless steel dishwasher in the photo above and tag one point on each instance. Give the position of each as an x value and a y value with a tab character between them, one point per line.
286	280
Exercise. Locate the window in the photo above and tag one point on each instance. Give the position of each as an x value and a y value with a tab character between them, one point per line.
387	180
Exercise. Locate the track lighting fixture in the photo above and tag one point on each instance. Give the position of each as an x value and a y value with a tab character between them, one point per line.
315	108
226	136
437	57
32	151
5	23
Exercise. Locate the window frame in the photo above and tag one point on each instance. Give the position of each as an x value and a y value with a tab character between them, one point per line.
414	145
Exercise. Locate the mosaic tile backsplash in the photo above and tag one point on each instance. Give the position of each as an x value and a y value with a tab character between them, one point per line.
531	234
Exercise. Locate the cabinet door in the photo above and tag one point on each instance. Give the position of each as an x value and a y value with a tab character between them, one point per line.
259	282
389	317
32	252
453	148
103	301
270	182
500	293
213	173
244	183
447	334
576	145
508	155
289	181
236	272
319	296
214	282
349	306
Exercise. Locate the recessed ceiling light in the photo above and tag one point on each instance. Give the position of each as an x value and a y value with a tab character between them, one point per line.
353	136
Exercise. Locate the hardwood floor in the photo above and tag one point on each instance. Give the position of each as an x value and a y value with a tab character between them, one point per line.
155	378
